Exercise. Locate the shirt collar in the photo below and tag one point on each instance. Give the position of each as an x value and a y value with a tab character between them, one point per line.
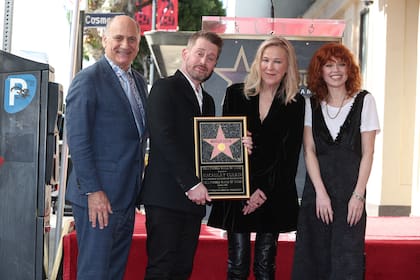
116	68
197	90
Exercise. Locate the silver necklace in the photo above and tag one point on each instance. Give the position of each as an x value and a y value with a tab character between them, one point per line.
339	109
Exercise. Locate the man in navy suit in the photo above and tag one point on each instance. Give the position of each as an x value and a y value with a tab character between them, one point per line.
173	196
105	121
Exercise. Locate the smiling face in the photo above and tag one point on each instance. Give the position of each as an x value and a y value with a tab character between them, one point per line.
199	60
273	66
335	73
121	41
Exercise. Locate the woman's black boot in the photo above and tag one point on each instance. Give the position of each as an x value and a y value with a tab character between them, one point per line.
239	245
265	256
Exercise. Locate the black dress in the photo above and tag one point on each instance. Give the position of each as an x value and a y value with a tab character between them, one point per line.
277	142
334	251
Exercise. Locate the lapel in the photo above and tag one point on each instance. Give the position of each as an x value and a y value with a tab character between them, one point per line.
188	91
208	105
254	106
114	87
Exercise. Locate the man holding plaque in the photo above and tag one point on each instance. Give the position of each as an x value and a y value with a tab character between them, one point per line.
173	196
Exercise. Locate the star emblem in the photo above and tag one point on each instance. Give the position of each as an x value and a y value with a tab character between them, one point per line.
239	71
221	144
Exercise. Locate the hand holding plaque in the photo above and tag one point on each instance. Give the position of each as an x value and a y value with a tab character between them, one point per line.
221	159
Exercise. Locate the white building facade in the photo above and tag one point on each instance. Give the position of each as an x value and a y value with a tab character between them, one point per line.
384	35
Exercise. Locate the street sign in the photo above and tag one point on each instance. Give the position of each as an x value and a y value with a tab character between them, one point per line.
98	19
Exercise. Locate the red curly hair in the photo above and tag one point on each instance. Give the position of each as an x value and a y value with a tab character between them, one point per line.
325	54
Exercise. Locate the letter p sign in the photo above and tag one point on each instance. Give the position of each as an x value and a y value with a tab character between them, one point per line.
19	92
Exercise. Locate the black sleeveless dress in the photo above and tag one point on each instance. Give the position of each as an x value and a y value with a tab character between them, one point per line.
334	251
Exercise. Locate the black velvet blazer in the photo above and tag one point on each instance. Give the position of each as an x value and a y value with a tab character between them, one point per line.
273	164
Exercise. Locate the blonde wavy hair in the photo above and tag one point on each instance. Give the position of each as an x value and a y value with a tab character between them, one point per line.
290	81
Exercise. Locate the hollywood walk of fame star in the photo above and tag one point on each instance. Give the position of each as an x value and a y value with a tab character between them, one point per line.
239	71
221	144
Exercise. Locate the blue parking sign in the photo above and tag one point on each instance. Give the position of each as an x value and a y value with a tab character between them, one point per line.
19	92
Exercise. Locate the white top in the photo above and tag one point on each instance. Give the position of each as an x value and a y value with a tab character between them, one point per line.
198	91
369	122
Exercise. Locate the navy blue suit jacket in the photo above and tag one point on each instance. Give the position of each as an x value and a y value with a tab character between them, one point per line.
106	149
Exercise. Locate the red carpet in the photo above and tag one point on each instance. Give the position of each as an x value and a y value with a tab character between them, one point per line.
392	252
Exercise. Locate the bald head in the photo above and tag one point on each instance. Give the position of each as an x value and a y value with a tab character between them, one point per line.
121	40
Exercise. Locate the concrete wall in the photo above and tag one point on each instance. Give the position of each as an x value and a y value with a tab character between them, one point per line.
291	8
248	8
262	8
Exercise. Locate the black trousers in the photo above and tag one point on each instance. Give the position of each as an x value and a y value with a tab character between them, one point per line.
239	256
172	239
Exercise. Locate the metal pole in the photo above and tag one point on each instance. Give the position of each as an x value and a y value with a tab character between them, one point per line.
7	25
64	147
153	15
152	64
272	17
272	9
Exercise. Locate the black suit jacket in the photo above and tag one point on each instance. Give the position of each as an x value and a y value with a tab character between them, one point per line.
172	106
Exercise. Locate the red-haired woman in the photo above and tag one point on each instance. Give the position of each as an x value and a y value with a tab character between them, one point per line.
341	123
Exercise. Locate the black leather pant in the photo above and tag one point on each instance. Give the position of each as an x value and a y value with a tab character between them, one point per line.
239	255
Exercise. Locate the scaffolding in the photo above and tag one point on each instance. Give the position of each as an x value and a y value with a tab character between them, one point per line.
7	25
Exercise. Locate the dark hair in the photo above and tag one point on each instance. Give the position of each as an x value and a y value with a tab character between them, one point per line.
209	36
324	54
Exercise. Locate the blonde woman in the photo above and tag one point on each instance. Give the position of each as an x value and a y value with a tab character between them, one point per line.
275	115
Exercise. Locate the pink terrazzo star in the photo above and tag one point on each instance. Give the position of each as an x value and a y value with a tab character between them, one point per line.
221	144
